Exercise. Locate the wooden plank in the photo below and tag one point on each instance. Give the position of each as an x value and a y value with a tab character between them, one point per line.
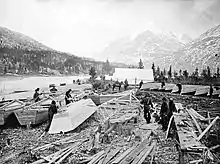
68	153
194	120
111	155
97	157
187	136
123	155
128	159
146	153
208	128
169	126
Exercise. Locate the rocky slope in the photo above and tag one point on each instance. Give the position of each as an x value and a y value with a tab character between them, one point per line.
151	47
203	51
168	49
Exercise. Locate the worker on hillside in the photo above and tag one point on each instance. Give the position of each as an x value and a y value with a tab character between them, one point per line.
147	102
210	91
126	84
140	84
68	97
163	114
172	108
51	111
53	89
36	96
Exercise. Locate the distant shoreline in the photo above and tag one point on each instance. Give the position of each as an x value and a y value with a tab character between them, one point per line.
20	77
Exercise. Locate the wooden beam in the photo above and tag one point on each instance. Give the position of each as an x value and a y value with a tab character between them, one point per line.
146	153
169	126
97	158
194	120
208	128
123	155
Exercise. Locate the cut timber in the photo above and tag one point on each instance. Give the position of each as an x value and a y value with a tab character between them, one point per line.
169	126
208	128
123	155
197	115
196	161
111	155
209	118
128	159
141	157
75	114
68	153
194	120
186	133
97	157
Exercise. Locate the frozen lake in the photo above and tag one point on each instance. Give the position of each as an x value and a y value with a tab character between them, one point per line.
30	83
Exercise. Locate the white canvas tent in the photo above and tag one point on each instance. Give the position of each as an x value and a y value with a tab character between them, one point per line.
133	75
74	115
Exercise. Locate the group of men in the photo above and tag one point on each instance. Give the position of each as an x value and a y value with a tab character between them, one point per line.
166	110
119	84
53	107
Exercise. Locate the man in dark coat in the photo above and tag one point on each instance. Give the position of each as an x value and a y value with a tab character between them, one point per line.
146	101
163	114
179	88
36	95
172	108
210	91
140	84
51	111
68	97
126	84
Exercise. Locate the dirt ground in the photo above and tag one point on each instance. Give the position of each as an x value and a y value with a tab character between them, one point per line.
16	143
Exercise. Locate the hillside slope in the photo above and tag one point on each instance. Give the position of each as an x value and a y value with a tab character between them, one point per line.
151	47
22	54
203	51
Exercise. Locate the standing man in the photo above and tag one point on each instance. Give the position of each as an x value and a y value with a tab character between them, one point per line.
36	95
210	91
51	111
179	88
125	84
172	108
146	101
68	97
163	114
140	84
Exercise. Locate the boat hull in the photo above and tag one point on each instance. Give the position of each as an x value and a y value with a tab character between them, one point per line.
32	116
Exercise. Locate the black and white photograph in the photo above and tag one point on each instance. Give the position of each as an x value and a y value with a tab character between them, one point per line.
109	81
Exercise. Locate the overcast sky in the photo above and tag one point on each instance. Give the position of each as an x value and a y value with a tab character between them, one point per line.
85	27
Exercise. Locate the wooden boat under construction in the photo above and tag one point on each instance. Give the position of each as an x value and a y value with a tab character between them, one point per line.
202	91
7	110
35	113
100	99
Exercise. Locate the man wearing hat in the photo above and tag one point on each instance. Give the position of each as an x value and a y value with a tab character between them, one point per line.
36	95
68	97
172	108
163	114
146	101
